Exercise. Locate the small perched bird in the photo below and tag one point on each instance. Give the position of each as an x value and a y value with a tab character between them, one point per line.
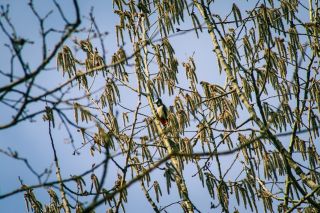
162	112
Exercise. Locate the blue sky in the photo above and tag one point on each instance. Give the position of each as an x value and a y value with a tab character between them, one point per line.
31	139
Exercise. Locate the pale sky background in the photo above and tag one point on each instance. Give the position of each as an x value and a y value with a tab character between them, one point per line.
31	140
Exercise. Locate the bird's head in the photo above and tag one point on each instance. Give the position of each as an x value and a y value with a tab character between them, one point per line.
158	102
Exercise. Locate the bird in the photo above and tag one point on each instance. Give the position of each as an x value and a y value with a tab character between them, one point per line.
162	112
